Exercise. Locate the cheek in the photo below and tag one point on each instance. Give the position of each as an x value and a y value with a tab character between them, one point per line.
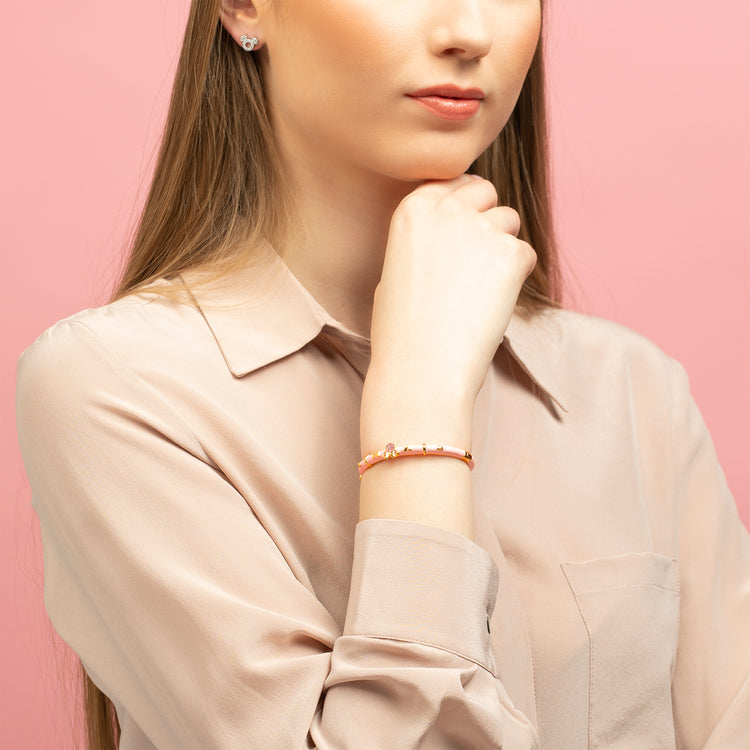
332	62
335	35
514	50
529	40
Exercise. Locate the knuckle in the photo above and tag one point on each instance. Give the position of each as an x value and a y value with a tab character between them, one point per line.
512	219
479	183
506	219
513	214
527	255
411	207
487	194
490	188
409	200
452	203
518	253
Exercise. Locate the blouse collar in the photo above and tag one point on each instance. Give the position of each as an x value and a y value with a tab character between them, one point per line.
264	313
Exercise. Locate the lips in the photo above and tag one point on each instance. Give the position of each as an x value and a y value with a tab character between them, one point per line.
449	102
448	91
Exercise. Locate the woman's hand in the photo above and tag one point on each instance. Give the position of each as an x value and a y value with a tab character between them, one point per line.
452	274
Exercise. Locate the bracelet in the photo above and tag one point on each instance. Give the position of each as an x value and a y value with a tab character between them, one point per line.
404	451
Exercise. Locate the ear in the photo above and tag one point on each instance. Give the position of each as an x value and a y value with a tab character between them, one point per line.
240	17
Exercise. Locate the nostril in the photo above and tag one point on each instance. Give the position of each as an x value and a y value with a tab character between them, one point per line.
470	51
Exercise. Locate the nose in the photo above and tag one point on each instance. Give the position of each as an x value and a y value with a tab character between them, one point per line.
461	29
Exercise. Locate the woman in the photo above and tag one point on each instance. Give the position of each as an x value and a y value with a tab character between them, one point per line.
316	278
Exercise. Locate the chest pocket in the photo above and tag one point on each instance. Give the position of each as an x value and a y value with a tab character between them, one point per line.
630	608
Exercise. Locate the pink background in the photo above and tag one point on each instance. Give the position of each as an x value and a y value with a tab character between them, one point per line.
650	114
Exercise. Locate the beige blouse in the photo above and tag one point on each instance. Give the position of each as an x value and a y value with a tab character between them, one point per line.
194	469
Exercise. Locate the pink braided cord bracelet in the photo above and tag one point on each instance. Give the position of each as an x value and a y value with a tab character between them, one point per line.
404	451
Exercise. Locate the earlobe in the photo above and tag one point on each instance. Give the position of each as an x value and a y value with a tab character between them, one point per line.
240	19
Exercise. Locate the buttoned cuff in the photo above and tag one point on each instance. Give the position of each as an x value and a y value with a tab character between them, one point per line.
417	582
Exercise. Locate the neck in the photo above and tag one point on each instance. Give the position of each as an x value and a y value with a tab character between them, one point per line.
337	245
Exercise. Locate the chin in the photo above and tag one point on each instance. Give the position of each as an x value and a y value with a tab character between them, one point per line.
436	169
436	160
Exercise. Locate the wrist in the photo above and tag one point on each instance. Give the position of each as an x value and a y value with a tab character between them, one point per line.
429	385
410	414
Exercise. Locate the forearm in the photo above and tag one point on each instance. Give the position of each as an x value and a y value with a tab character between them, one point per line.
432	490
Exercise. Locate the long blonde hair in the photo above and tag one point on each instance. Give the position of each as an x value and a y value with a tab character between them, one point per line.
218	187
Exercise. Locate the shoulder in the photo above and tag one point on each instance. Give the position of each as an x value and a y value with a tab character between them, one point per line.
130	351
99	394
587	334
597	358
140	332
577	336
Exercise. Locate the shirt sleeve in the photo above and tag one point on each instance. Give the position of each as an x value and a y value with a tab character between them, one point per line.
186	614
711	681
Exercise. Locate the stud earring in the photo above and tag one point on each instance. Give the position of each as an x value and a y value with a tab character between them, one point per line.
248	43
